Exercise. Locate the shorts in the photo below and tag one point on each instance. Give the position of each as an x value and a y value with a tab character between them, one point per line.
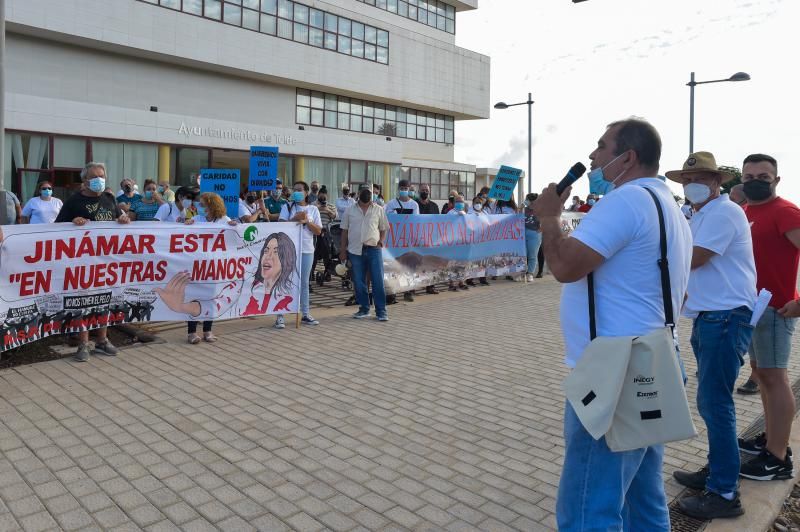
772	340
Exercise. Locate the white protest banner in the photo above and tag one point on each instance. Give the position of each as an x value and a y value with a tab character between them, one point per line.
60	278
570	221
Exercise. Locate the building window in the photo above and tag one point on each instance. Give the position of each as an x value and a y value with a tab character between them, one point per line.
433	13
293	21
340	112
442	182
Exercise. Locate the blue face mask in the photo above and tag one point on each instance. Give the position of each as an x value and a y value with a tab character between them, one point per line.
590	202
597	182
298	196
46	193
201	211
97	184
459	205
148	194
403	193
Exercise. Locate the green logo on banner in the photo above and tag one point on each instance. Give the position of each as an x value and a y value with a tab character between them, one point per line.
250	233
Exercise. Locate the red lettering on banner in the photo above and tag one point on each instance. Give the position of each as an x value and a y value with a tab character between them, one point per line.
32	283
218	269
191	242
86	276
91	246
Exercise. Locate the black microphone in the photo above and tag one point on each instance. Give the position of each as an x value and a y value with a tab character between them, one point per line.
573	175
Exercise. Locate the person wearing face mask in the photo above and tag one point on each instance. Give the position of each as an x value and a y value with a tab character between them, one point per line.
252	207
720	299
576	204
364	227
618	243
275	201
459	209
299	211
181	210
424	203
591	199
479	208
44	208
145	209
377	197
312	196
92	204
323	244
128	195
165	192
775	227
533	236
402	204
344	203
451	200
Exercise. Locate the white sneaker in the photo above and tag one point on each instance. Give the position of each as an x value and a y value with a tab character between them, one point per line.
530	277
280	323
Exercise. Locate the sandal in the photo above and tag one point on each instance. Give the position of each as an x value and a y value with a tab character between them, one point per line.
194	338
209	337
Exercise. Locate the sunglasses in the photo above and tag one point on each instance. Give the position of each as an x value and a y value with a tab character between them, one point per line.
45	188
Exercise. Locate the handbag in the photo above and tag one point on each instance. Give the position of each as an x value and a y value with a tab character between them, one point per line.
641	401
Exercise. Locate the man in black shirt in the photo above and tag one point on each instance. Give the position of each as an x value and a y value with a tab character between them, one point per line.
92	204
426	206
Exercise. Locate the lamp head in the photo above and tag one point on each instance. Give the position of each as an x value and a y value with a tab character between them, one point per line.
501	105
740	76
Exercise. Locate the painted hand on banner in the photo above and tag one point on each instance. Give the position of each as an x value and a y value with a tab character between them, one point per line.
174	294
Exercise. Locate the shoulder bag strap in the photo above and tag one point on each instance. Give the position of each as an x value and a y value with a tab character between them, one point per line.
663	267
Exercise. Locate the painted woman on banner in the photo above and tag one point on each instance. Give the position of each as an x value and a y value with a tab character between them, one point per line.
267	291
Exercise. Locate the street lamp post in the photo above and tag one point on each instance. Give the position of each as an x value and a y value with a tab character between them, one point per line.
739	76
529	103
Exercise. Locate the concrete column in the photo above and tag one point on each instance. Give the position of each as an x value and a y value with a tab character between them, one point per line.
163	163
299	168
387	182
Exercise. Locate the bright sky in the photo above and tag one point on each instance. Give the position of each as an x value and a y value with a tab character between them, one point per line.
591	63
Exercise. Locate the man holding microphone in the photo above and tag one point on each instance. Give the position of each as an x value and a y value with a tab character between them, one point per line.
618	242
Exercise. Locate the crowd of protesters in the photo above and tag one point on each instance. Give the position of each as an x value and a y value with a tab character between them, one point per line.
308	204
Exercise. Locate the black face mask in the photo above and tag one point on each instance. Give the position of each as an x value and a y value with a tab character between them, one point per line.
322	201
424	195
757	190
127	188
345	193
250	199
365	196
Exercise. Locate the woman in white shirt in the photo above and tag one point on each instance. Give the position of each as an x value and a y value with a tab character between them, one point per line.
211	209
44	208
298	210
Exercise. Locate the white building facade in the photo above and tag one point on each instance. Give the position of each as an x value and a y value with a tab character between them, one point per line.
350	91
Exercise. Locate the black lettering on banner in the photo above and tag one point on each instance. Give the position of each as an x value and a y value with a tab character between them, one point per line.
650	414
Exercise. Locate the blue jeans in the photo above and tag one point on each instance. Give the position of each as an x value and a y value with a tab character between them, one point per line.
305	271
604	490
533	239
370	260
720	339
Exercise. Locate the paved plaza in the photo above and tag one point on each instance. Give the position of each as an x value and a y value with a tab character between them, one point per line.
448	417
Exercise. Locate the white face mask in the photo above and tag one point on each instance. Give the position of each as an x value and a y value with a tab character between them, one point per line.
696	193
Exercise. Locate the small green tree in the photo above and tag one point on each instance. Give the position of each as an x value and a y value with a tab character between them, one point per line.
726	187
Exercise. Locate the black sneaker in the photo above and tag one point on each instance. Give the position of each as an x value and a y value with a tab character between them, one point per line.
753	445
408	296
695	481
710	505
767	466
748	388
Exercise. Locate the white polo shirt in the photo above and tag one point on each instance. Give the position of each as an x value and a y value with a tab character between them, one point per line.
364	228
623	228
728	279
394	204
288	210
